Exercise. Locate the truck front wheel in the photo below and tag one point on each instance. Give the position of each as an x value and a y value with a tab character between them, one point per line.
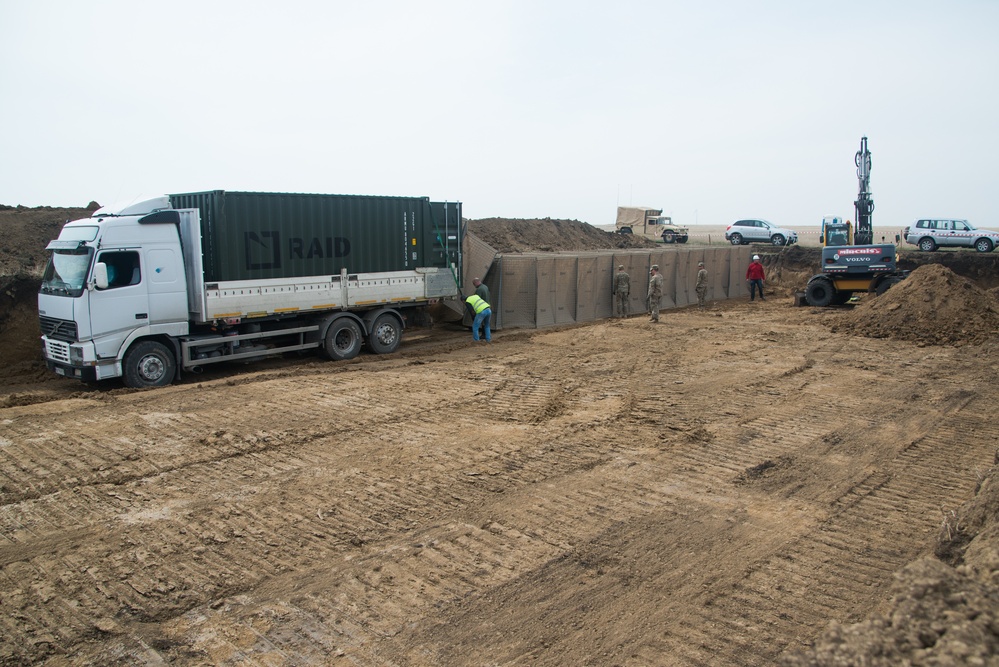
385	335
343	340
669	237
819	293
149	364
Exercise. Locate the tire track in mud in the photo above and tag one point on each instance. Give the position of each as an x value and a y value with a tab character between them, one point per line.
151	443
736	640
511	483
845	565
217	567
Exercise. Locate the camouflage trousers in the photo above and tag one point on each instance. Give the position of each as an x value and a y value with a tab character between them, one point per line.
654	300
621	304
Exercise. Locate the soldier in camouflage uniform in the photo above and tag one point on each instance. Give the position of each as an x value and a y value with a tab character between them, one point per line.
701	286
622	289
655	292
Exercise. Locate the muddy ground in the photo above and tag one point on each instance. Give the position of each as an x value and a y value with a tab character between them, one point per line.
753	484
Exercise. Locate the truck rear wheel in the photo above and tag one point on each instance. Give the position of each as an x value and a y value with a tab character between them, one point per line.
149	364
385	335
927	245
343	340
819	293
735	239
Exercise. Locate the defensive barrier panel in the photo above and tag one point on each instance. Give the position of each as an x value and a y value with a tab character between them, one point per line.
536	290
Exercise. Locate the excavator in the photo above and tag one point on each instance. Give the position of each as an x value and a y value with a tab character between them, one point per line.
850	261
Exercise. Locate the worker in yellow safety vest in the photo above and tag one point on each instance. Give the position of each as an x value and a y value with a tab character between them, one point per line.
483	313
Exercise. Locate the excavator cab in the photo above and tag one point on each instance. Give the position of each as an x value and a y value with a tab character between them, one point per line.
835	232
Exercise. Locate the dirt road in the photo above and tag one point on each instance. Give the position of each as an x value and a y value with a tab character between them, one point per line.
558	497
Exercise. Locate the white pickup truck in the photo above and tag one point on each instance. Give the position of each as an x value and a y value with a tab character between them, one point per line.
930	234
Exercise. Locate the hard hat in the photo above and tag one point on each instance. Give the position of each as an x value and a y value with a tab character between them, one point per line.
621	266
700	264
756	256
655	267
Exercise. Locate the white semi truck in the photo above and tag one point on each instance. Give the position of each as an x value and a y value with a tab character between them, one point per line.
171	284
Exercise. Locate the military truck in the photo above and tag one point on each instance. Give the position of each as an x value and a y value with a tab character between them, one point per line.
649	223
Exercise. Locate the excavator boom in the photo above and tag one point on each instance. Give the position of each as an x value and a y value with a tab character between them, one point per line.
864	206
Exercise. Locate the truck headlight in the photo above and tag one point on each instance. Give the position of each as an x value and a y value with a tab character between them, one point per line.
75	355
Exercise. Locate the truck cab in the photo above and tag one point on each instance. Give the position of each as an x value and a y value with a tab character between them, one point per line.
108	282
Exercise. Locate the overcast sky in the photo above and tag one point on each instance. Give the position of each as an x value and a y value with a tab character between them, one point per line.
709	110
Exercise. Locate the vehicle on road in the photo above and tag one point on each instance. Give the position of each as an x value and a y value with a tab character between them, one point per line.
929	234
742	232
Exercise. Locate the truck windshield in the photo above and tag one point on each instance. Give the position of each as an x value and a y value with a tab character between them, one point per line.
66	271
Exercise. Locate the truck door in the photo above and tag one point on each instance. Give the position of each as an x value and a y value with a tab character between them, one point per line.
122	306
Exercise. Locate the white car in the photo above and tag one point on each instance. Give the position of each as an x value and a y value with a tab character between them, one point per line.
759	231
930	234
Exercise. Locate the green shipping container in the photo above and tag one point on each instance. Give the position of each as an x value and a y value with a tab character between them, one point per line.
261	235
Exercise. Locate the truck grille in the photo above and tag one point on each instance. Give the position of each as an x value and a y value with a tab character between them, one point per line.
56	350
58	329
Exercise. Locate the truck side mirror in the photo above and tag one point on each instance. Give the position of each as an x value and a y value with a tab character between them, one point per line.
101	275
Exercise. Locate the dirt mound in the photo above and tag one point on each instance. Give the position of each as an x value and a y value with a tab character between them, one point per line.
789	268
939	615
982	268
24	233
933	306
20	348
547	235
